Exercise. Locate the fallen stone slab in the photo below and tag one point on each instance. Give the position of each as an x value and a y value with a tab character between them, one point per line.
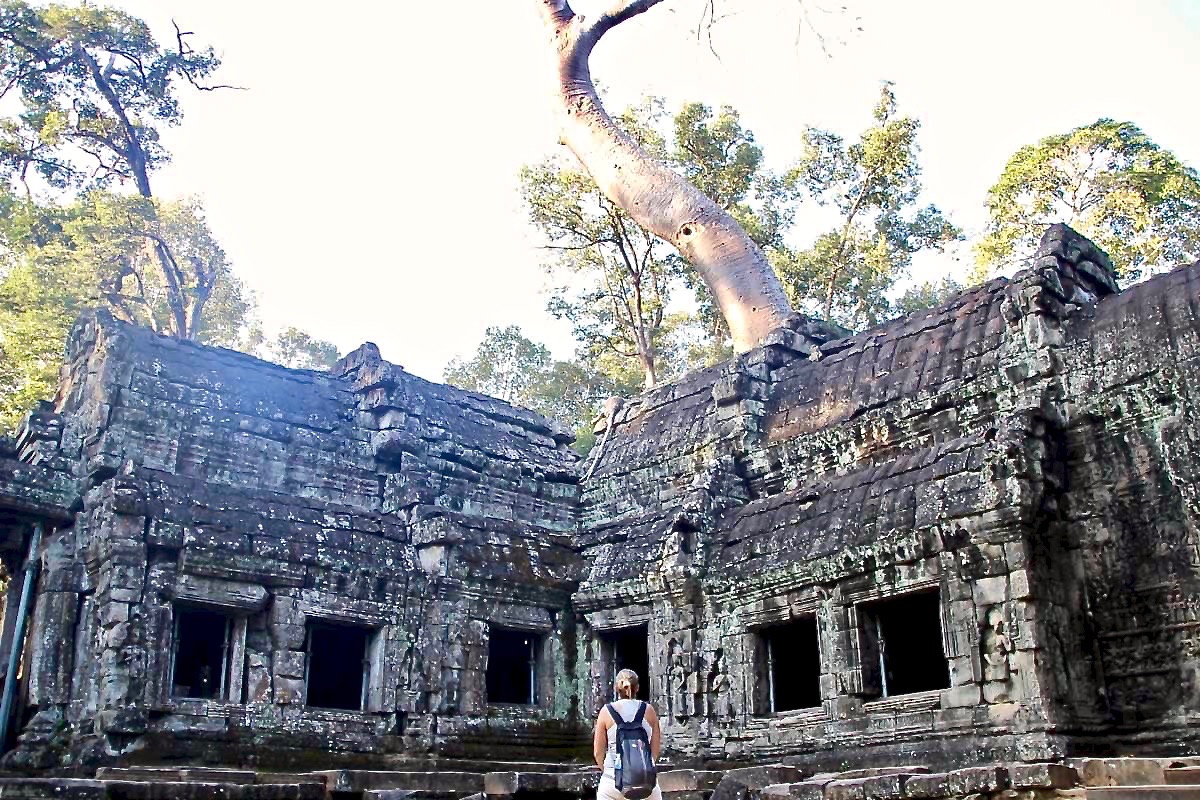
1043	776
688	780
58	788
1181	776
871	772
1119	771
923	787
741	783
978	780
507	784
1143	792
356	780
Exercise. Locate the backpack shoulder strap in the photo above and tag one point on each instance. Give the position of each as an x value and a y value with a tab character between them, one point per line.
612	712
641	712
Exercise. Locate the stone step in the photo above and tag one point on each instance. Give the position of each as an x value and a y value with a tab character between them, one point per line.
1182	776
44	788
197	774
75	789
870	772
432	784
507	784
403	794
1119	771
236	777
682	781
1146	792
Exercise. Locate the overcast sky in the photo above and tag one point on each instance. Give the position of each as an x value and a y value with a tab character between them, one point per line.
365	183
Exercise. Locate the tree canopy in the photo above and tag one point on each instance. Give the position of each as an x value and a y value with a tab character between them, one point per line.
510	366
87	91
1109	181
873	185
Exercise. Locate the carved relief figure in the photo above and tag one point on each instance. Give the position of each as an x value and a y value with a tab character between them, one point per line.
434	689
406	668
722	690
696	693
418	700
668	690
997	648
452	676
682	676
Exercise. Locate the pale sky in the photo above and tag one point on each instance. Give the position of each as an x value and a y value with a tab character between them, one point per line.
365	185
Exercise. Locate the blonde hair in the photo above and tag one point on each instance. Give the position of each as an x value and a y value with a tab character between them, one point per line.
627	684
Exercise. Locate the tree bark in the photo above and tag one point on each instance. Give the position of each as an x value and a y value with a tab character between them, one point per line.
135	156
736	271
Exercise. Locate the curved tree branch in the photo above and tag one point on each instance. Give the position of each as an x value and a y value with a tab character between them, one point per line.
736	271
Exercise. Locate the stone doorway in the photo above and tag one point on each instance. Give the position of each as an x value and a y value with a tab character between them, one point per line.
627	648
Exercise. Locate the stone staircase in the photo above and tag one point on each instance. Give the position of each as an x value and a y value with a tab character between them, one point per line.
1078	779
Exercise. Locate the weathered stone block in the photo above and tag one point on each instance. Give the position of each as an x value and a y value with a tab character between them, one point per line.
289	690
239	595
928	786
961	696
1042	776
289	663
978	780
846	790
884	787
738	783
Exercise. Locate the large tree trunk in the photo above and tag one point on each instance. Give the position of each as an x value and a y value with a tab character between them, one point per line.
736	271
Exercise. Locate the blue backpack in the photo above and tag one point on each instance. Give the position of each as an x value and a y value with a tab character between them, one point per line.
633	768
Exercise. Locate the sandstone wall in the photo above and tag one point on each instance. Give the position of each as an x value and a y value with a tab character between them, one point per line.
426	516
949	451
971	534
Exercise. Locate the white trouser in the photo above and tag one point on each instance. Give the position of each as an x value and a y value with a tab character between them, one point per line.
608	790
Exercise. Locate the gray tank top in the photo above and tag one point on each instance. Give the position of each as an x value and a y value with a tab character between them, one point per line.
628	710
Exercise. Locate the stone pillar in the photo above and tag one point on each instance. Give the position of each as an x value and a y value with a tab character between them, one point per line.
119	549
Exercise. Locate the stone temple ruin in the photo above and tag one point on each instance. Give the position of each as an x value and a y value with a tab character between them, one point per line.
955	555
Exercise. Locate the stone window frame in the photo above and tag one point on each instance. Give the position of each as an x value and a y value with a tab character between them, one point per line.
538	620
853	599
238	600
762	655
779	610
541	664
379	636
234	668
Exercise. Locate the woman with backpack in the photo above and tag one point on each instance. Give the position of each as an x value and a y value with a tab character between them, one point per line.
626	744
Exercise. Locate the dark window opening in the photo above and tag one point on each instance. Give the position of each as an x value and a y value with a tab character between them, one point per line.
902	649
512	673
628	648
337	668
791	659
201	654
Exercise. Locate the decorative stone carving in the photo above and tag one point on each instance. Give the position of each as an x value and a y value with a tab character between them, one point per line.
722	693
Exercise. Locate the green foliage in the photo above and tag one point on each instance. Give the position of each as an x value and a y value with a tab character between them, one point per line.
1109	181
874	186
613	280
509	366
298	349
91	88
56	261
927	295
94	87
